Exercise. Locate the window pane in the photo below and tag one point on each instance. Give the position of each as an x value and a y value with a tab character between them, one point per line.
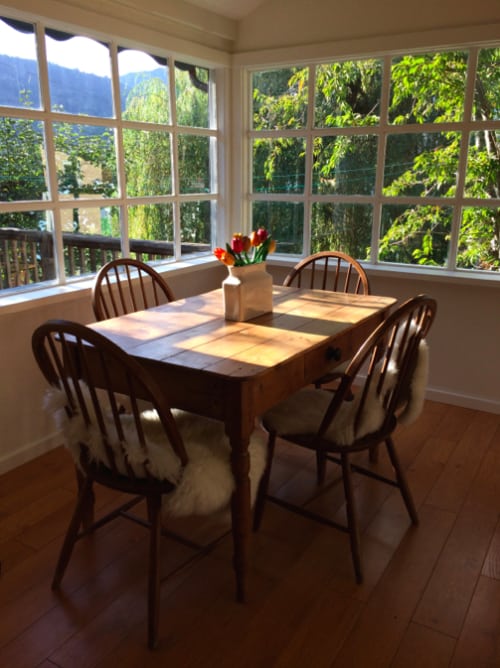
19	83
22	160
415	235
191	95
342	227
487	88
483	165
196	227
194	164
422	164
79	75
279	165
479	239
428	88
26	248
147	162
348	94
143	87
280	99
345	165
151	231
91	237
86	161
284	221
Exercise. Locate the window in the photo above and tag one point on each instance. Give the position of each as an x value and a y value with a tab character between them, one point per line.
392	160
104	151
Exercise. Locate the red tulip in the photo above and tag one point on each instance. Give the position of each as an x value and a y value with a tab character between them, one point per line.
237	243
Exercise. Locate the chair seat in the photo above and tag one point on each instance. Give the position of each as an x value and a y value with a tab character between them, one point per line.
302	414
202	487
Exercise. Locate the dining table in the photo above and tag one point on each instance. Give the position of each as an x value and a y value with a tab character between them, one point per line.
235	371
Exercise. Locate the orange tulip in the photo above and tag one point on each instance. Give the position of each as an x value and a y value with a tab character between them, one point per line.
247	244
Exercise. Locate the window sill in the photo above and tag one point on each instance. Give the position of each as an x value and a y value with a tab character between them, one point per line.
431	275
25	299
18	300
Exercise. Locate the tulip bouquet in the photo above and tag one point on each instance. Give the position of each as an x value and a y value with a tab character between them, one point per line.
247	249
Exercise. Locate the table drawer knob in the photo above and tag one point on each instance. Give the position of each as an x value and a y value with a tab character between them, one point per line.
333	354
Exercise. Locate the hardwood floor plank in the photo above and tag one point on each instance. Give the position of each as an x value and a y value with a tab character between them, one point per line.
458	476
377	634
447	597
491	566
421	647
479	642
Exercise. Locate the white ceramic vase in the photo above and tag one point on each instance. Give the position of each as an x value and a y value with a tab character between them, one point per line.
247	292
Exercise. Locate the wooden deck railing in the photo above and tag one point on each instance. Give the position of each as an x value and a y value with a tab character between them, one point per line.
27	256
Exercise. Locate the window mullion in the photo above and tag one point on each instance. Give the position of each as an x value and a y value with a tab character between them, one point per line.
120	154
50	154
174	166
462	160
309	140
380	167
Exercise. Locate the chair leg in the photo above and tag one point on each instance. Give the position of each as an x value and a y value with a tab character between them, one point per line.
88	509
352	521
85	497
401	480
320	467
260	500
154	514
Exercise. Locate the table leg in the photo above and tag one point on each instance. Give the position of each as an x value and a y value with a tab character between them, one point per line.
241	512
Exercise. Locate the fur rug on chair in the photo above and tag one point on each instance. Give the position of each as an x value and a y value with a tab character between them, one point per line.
204	486
303	412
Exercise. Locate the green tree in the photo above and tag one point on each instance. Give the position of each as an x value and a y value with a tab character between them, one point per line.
22	174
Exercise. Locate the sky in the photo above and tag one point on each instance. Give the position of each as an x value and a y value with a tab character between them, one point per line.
79	53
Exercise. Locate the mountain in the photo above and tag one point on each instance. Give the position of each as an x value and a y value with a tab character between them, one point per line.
71	90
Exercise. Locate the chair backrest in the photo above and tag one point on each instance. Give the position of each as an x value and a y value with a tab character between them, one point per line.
126	285
387	375
86	371
330	270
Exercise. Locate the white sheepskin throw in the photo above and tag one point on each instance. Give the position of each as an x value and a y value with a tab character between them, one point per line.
203	486
303	412
417	388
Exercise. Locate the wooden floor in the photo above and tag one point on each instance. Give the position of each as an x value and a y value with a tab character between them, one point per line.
431	596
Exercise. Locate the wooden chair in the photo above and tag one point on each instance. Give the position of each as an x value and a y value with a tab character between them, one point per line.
387	377
178	462
125	285
330	270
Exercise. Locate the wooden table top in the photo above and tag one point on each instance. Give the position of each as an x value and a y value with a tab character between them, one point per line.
193	333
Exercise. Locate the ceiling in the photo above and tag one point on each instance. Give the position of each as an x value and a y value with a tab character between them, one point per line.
231	9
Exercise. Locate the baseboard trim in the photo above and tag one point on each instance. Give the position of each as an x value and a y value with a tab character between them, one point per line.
462	400
27	453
